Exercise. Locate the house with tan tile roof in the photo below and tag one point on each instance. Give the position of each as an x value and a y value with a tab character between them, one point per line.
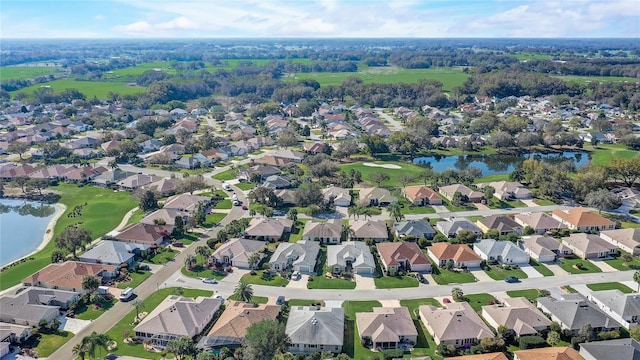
137	180
145	233
236	252
449	190
508	190
403	256
327	232
540	222
490	356
376	196
518	315
268	229
386	328
337	195
166	216
376	230
626	239
587	246
455	324
186	202
544	248
461	255
422	195
69	274
583	219
550	353
504	224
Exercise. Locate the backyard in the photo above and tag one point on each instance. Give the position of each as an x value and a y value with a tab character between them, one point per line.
352	345
46	343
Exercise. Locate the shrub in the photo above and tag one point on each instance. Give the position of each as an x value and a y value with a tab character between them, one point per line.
253	273
310	278
392	353
531	342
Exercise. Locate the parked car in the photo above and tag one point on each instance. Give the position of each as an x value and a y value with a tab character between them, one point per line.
421	278
511	279
244	207
280	300
210	281
295	275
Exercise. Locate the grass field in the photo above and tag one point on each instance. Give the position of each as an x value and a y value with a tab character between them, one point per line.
498	273
531	56
25	72
530	294
48	343
394	174
610	286
261	279
604	153
449	77
91	89
588	79
444	277
477	301
103	211
395	282
587	266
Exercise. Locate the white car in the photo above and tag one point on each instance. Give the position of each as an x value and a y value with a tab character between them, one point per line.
210	281
295	275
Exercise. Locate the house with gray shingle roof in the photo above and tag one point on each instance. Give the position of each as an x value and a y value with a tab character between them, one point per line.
624	308
544	248
502	223
588	246
300	256
455	324
504	252
386	327
573	311
236	252
518	315
616	349
451	227
113	253
352	254
416	228
35	304
376	230
327	232
315	329
626	239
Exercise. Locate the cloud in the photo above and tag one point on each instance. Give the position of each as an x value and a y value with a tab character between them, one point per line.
99	17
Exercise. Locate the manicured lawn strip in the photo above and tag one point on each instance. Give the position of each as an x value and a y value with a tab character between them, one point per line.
395	282
245	186
543	202
622	266
213	219
149	303
587	266
499	204
254	299
103	212
224	204
89	313
394	174
353	347
477	301
320	282
48	343
492	178
414	304
162	257
530	294
425	346
303	302
261	279
569	289
498	273
444	277
226	175
540	268
463	207
200	271
136	279
136	217
610	286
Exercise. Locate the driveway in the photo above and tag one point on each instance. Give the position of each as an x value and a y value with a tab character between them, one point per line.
556	269
73	325
364	282
602	265
300	283
440	209
530	271
481	275
529	202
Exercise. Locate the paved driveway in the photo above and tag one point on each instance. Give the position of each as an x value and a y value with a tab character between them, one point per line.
529	202
556	269
481	275
300	283
530	271
364	282
73	325
602	265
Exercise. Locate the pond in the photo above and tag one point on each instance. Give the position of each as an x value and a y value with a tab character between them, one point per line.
498	164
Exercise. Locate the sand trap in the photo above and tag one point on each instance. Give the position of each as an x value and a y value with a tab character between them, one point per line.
386	166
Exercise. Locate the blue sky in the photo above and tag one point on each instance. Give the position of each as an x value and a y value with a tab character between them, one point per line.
318	18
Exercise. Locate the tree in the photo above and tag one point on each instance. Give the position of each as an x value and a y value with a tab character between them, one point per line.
346	149
189	261
501	139
94	342
378	177
625	169
138	306
553	338
90	283
586	332
635	333
222	236
79	351
405	179
191	184
287	139
243	292
602	200
21	181
72	237
626	257
307	194
182	347
148	201
264	339
38	184
457	294
253	260
178	226
17	147
263	195
292	214
426	176
636	278
466	236
489	191
395	211
203	251
57	256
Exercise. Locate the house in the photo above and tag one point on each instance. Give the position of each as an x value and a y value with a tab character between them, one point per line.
263	172
386	328
276	182
625	239
113	253
137	180
300	256
518	315
231	327
109	178
148	234
540	222
573	311
415	228
351	255
339	196
14	333
164	187
28	308
315	147
376	197
194	162
294	156
623	308
236	252
502	223
611	350
489	356
544	248
587	246
69	274
455	324
328	232
582	219
453	226
460	254
422	195
552	353
177	317
403	256
504	252
286	196
268	229
187	203
315	329
376	230
508	190
449	191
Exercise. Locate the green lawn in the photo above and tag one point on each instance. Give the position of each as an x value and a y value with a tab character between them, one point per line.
91	89
320	282
598	79
213	219
394	174
136	279
425	345
587	267
499	204
224	204
610	286
302	302
569	289
477	301
254	299
498	273
48	343
540	268
619	264
226	175
103	212
492	178
414	304
462	207
245	186
265	279
604	153
27	72
352	345
543	202
162	257
444	277
126	323
136	217
200	271
394	282
530	294
87	312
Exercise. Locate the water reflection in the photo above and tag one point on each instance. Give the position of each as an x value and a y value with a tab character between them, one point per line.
25	209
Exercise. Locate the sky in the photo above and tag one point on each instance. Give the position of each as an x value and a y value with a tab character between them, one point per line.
319	18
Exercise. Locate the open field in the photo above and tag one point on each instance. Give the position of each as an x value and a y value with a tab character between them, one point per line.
394	174
604	153
25	72
587	79
91	89
531	56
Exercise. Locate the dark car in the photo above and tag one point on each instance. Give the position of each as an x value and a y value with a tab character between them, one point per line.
511	279
280	300
244	207
421	278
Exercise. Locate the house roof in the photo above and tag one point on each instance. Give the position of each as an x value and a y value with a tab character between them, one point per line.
138	180
502	187
494	248
301	252
166	215
539	221
336	193
386	324
328	229
517	314
455	321
457	224
628	237
574	311
268	227
415	193
374	229
144	233
619	303
543	245
456	252
356	250
490	356
112	252
179	316
463	189
415	228
239	249
501	223
612	349
380	194
185	202
19	308
392	253
550	353
315	325
238	316
588	243
582	217
68	274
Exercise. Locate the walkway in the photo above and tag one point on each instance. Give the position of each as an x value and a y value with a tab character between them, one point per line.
394	125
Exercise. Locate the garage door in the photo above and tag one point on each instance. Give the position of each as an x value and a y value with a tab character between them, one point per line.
363	270
305	269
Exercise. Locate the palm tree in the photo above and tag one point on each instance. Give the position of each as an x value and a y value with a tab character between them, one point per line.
189	261
243	292
203	251
253	260
90	283
636	278
395	211
346	233
94	342
351	210
138	305
79	350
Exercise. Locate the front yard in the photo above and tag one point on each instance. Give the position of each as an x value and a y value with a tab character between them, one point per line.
162	256
477	301
265	278
445	277
570	266
610	286
540	268
499	204
621	265
89	312
136	279
497	272
46	343
200	271
530	294
321	282
224	204
394	282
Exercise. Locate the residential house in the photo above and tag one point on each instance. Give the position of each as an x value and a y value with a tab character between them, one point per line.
194	162
187	203
150	145
315	329
14	333
137	180
276	182
376	230
453	226
109	178
300	256
270	160
231	327
84	174
450	190
315	147
623	308
610	350
113	253
328	232
508	190
587	246
582	219
286	196
544	248
339	196
455	324
236	252
573	311
33	305
177	317
376	197
488	356
351	255
164	187
294	156
403	256
518	315
504	252
69	274
165	216
504	224
386	328
415	228
461	255
262	170
540	222
268	229
422	195
625	239
551	353
142	233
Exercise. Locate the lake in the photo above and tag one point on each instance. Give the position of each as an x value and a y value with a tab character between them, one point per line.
22	227
498	164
